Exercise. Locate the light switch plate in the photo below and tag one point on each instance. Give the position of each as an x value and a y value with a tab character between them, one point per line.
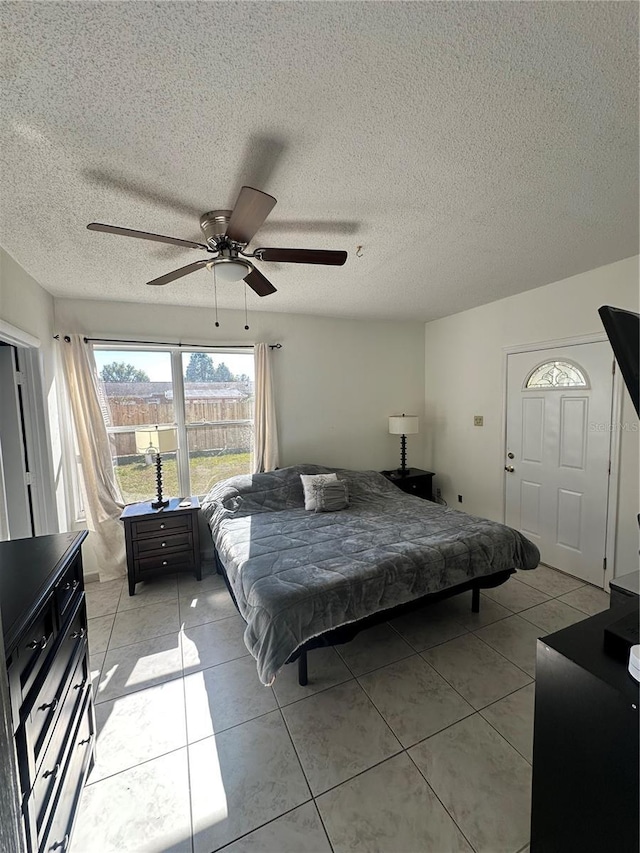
478	420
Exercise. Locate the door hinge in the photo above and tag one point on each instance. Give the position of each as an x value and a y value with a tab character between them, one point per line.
19	377
613	366
604	564
28	479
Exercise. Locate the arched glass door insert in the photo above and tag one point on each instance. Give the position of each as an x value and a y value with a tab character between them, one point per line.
557	374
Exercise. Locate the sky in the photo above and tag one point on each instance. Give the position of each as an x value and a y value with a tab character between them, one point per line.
157	365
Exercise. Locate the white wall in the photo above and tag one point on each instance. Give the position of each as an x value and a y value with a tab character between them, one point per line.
464	359
336	380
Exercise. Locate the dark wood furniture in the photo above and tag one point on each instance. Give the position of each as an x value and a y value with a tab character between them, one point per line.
44	621
161	541
414	482
624	589
585	748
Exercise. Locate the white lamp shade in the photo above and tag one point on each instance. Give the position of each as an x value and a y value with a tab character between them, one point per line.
403	424
160	440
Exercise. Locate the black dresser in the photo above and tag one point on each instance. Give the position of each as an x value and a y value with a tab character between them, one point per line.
44	621
585	745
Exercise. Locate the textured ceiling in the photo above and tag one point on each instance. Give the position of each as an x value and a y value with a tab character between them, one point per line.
474	150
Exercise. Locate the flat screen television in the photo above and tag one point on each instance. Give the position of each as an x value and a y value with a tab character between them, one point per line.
623	330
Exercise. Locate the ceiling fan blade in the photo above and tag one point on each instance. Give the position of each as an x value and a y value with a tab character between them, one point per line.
302	256
172	276
144	235
251	210
257	282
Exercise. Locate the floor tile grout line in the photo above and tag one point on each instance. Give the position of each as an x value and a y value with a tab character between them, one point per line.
228	844
291	740
435	794
133	766
186	731
477	710
497	731
532	677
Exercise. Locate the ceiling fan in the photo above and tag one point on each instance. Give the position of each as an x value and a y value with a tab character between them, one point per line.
227	234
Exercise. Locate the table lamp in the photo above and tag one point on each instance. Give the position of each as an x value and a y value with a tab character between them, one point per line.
157	440
403	425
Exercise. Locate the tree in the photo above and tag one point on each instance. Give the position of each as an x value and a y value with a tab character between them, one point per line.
119	371
223	374
200	368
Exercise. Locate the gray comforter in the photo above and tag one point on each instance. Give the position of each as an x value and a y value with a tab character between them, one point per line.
296	574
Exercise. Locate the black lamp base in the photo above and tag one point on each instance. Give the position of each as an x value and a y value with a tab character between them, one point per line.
159	503
403	470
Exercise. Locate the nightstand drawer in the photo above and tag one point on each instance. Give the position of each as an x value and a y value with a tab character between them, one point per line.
166	523
161	544
165	562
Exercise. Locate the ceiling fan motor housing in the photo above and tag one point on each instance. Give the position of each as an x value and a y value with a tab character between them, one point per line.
214	226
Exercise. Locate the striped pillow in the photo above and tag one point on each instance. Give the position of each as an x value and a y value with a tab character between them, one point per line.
331	496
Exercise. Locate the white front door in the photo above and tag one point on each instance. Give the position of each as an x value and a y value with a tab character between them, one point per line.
557	455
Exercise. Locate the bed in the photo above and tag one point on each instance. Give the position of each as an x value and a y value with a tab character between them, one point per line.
301	579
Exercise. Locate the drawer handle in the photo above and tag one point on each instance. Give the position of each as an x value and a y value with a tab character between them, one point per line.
38	644
62	844
53	705
165	563
162	526
70	585
85	741
53	772
82	633
164	545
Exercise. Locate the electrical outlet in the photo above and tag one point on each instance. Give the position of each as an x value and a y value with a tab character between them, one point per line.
478	420
459	499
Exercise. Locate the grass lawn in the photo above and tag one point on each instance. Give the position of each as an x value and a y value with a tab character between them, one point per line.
138	480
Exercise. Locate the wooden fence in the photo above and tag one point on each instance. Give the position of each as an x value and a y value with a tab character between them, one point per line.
204	434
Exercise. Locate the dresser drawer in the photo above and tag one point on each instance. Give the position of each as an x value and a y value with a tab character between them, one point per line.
69	587
42	711
160	544
56	836
156	526
52	766
165	562
34	648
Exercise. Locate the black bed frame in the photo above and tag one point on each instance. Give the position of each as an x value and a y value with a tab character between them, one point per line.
345	633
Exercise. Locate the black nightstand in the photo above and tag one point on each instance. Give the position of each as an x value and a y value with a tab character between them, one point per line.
161	541
414	482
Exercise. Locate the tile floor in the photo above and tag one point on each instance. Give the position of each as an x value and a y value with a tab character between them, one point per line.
414	738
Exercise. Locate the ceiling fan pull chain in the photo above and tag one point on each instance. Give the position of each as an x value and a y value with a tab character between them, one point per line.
215	294
246	317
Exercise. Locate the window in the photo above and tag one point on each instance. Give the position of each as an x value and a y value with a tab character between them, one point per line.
557	374
207	396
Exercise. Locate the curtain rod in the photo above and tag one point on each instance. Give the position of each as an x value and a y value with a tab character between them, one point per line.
165	343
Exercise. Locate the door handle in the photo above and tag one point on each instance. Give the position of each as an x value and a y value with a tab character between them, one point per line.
509	468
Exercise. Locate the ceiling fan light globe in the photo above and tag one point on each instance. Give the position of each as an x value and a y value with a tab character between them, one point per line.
231	270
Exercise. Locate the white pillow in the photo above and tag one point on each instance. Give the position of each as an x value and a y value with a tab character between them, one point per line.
308	481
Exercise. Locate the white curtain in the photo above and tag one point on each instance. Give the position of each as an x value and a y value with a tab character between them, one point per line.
265	451
102	497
